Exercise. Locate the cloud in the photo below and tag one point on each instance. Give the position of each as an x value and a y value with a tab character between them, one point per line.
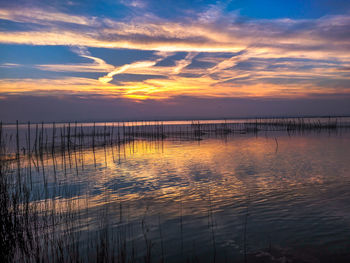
98	65
160	88
139	65
218	32
134	3
9	65
276	58
40	16
181	64
122	69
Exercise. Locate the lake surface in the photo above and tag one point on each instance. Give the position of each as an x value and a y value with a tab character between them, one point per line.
215	199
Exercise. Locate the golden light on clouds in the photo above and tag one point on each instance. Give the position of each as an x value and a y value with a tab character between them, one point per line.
266	58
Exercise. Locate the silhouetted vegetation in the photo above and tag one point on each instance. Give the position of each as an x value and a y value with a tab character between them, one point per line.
34	229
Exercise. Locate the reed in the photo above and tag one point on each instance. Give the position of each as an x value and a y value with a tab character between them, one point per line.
34	228
99	136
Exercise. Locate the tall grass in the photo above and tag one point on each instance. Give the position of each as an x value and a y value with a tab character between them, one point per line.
35	227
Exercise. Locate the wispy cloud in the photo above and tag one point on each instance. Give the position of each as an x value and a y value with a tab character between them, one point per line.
219	33
134	3
98	65
45	17
263	58
9	65
181	64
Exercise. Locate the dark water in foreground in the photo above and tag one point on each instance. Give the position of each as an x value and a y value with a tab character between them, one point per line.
213	199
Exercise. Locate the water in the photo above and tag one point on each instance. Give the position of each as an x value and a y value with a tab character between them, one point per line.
212	199
46	133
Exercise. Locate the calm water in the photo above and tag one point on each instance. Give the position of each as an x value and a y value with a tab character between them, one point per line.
204	199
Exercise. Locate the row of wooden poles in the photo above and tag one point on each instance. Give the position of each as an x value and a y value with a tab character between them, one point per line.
73	135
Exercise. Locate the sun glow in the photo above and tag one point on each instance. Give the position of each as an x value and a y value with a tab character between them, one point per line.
197	58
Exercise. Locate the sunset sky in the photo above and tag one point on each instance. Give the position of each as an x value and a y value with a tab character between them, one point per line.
133	59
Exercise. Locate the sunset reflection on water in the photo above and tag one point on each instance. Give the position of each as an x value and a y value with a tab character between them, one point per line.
294	190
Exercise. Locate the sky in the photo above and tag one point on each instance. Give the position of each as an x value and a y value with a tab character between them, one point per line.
132	59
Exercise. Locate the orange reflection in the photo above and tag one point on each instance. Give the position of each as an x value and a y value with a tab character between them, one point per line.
185	171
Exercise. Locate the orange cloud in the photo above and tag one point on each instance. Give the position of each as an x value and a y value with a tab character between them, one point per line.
310	55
